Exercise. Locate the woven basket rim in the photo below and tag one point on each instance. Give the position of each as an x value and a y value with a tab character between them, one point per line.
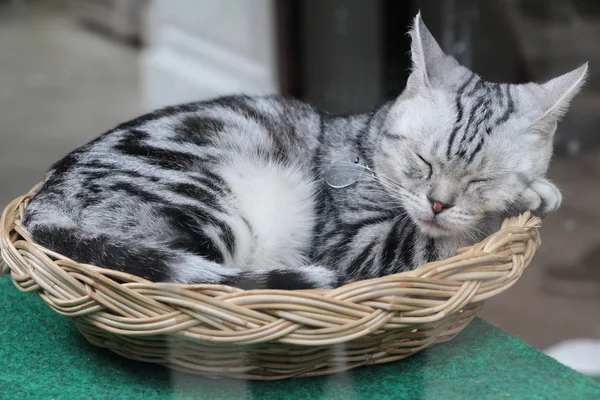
523	222
384	319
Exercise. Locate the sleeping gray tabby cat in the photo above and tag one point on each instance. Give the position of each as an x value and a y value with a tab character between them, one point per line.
233	191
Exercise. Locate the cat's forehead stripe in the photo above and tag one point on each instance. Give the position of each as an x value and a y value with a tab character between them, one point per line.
459	112
510	107
474	115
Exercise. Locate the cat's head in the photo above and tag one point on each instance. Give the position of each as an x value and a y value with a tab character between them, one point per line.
462	148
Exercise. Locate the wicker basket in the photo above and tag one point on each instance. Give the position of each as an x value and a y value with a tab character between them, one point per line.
220	331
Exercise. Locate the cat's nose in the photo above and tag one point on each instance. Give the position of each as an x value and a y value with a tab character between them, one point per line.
438	206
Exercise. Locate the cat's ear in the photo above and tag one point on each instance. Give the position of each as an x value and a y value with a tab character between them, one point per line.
558	92
426	55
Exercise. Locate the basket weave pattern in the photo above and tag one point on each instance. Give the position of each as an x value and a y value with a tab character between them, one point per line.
218	331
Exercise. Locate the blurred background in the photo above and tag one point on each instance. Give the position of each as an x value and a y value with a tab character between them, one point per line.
70	70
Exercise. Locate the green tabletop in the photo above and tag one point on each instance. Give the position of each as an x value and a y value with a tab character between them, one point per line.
42	356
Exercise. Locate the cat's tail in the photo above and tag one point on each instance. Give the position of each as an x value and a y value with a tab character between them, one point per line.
303	277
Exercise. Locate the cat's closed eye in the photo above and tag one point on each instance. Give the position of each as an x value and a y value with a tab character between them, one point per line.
477	181
427	166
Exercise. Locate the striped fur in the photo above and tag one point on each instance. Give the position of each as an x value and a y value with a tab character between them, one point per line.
232	190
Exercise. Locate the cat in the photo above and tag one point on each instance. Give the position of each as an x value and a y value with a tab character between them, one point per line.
234	190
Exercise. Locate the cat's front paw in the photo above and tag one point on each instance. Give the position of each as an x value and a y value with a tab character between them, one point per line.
542	197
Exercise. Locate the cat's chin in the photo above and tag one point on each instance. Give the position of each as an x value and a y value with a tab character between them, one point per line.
434	229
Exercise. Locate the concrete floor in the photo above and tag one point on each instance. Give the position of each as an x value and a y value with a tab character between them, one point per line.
61	85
